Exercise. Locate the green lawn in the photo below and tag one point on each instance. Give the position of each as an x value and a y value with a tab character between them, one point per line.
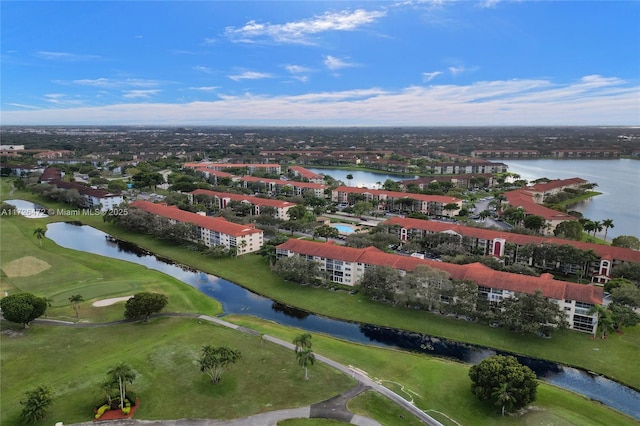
610	357
164	350
386	412
93	277
442	388
170	385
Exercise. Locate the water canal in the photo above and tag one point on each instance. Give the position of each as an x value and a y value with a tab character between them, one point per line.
237	300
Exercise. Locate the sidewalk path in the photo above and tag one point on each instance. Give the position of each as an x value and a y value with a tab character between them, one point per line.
333	408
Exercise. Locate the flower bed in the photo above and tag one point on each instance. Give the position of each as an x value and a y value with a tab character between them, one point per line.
116	414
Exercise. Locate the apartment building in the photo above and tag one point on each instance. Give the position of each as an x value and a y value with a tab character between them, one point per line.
276	186
494	243
393	200
252	168
303	173
93	198
211	231
222	200
346	265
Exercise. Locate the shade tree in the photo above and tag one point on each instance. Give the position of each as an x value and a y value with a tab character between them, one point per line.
503	381
626	241
144	304
23	308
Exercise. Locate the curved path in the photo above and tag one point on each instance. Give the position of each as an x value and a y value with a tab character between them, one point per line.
333	408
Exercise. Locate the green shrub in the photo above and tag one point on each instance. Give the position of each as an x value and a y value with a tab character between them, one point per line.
126	410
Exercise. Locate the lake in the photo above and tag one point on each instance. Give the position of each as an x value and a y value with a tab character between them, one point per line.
361	178
618	180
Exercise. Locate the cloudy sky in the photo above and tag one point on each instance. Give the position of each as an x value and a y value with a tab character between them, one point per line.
417	63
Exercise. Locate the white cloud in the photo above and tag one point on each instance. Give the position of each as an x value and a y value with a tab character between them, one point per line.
428	76
203	69
297	32
23	106
112	83
591	100
135	94
66	56
488	3
205	88
61	100
334	63
297	69
455	70
250	75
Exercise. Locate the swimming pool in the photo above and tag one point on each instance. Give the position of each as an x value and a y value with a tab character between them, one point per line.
344	229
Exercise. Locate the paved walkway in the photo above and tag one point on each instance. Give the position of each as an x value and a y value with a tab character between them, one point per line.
333	408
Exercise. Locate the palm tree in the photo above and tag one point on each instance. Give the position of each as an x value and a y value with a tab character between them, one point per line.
597	227
349	178
75	300
39	233
305	359
589	226
121	374
302	341
607	223
504	396
605	321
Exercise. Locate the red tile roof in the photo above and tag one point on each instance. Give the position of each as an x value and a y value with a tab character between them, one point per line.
525	199
444	199
216	224
229	165
83	190
476	272
248	198
603	251
217	173
284	182
306	173
558	183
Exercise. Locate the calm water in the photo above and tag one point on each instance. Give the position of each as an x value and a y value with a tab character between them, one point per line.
237	300
361	179
618	180
345	229
28	209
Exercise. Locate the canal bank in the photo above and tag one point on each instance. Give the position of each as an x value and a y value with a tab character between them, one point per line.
253	273
237	300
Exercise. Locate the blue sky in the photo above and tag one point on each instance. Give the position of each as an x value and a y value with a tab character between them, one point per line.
371	63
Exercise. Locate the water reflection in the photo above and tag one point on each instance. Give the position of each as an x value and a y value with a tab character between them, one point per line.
238	300
28	209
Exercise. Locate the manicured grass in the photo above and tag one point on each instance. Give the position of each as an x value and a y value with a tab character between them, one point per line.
387	413
578	198
311	422
170	385
442	388
94	277
610	357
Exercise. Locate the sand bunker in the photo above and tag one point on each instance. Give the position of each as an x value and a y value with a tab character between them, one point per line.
25	267
107	302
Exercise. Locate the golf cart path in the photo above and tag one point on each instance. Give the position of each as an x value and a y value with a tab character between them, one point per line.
326	408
